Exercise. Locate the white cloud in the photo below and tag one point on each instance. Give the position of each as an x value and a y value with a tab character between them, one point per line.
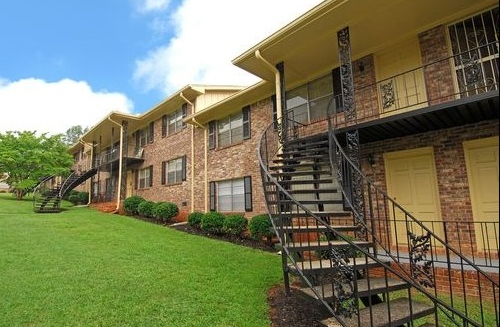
145	6
208	35
53	107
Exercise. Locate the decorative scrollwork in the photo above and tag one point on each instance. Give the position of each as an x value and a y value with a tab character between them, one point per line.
345	302
346	78
471	69
388	95
421	268
279	132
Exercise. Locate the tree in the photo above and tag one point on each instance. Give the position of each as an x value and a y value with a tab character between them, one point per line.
73	134
26	158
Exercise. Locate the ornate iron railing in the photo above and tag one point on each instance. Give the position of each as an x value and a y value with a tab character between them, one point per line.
452	278
458	76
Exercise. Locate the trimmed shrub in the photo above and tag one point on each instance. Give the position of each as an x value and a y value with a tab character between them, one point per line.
260	227
83	197
131	204
74	198
213	222
70	193
235	224
194	219
145	209
165	211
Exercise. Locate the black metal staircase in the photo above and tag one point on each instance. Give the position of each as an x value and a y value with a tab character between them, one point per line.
342	250
48	199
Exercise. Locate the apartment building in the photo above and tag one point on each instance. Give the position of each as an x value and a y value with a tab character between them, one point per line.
411	88
425	92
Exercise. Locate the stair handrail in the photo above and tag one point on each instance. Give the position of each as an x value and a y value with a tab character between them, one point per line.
69	182
264	154
41	182
337	154
265	173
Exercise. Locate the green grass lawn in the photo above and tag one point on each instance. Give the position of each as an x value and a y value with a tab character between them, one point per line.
81	267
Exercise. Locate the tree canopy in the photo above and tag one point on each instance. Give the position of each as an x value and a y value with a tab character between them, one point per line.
26	158
73	134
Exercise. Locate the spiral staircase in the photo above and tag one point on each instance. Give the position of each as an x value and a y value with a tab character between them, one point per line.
48	198
334	227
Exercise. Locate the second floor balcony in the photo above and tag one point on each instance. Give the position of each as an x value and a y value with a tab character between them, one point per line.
454	91
109	160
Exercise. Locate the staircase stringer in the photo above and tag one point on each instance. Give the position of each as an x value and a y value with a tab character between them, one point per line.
75	179
286	201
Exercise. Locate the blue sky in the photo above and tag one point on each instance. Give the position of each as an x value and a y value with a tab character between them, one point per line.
70	62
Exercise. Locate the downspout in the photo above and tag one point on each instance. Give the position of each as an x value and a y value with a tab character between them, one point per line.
90	167
279	110
193	156
119	167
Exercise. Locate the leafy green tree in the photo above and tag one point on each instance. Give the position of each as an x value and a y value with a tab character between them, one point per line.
26	158
73	134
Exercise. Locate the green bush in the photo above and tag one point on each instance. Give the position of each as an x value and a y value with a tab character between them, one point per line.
131	204
260	227
165	211
83	197
70	193
74	198
194	219
235	224
213	222
145	209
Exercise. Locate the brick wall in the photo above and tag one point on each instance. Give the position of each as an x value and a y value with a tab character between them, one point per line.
450	164
165	149
438	75
234	161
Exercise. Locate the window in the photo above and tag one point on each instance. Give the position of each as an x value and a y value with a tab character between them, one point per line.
309	102
144	136
173	123
474	42
144	177
230	130
173	171
233	195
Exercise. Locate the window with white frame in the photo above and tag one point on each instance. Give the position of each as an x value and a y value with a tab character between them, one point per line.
233	195
174	171
172	123
144	136
309	102
144	177
232	129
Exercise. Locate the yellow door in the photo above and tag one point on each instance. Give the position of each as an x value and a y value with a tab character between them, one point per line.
411	182
401	86
130	184
481	157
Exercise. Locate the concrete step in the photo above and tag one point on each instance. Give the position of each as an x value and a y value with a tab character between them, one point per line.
396	312
365	287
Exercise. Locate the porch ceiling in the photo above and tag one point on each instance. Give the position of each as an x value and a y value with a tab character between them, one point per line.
308	45
101	132
456	113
